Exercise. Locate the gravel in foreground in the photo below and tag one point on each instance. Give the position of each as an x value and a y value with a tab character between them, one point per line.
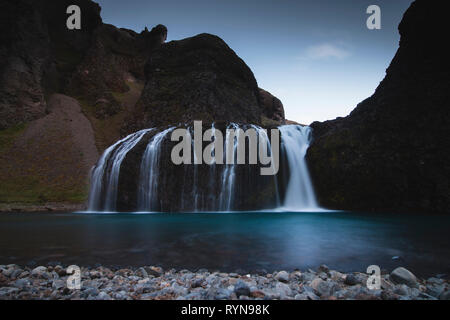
153	283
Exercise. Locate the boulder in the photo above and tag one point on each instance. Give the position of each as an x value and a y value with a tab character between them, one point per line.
282	276
403	276
241	289
198	78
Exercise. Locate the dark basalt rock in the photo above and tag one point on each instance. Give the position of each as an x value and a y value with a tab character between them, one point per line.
38	53
116	58
272	107
392	153
198	78
23	56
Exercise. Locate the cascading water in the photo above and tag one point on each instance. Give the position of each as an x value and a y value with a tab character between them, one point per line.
161	186
263	134
228	175
102	178
149	173
299	191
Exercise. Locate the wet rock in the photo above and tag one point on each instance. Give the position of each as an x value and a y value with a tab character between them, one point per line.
336	276
389	295
403	276
309	292
402	290
40	271
241	288
257	294
222	294
326	288
22	283
197	283
296	276
154	271
103	296
351	280
58	284
283	290
141	272
282	276
435	290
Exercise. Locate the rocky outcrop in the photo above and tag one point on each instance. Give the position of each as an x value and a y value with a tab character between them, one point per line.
102	70
272	107
116	57
392	153
200	78
23	56
37	54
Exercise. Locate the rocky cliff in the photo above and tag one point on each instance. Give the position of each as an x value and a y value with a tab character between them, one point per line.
201	78
392	153
116	79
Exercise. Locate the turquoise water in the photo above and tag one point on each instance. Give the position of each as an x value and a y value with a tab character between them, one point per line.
230	241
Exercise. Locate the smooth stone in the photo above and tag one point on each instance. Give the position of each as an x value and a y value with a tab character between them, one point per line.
351	280
327	288
402	290
282	276
283	290
58	284
21	283
241	288
194	296
435	290
141	272
91	291
435	281
301	296
8	272
403	276
315	283
336	276
103	296
308	277
309	292
39	271
296	276
218	294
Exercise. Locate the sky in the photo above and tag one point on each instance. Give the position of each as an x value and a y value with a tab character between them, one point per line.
317	56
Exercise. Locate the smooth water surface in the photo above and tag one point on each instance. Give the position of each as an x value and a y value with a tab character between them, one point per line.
230	241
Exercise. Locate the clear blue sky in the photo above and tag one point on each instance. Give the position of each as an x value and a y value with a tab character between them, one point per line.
317	56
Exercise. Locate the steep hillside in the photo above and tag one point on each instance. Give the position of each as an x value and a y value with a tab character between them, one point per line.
392	153
66	95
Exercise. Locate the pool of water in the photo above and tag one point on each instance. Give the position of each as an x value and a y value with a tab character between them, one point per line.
230	241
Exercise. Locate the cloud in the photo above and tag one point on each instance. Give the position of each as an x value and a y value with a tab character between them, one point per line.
326	51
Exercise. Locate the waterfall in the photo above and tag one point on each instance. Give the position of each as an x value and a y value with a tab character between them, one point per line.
111	159
299	191
228	175
149	173
263	134
155	185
